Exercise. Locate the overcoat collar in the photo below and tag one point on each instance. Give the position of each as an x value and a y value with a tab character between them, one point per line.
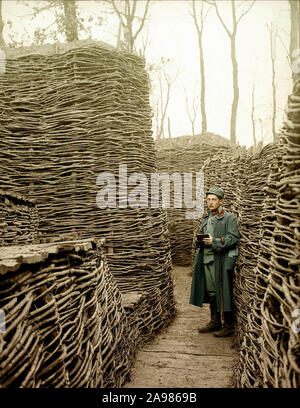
219	212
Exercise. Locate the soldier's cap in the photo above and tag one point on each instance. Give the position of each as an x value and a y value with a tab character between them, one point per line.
217	191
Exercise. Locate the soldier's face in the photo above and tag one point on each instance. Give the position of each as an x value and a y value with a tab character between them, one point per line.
213	202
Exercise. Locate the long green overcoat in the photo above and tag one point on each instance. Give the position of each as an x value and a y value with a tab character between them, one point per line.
225	254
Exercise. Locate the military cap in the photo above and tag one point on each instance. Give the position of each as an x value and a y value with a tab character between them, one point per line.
217	191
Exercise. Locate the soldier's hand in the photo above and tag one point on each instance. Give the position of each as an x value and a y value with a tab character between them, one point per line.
208	241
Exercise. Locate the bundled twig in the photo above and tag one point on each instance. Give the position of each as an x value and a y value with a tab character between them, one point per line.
19	220
78	112
65	324
262	190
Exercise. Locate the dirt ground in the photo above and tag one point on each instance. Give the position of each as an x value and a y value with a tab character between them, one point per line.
181	357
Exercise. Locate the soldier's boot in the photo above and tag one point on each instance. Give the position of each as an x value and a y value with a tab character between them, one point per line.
228	326
215	319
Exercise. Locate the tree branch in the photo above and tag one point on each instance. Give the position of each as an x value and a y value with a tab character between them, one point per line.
118	13
219	16
133	10
143	21
245	12
194	15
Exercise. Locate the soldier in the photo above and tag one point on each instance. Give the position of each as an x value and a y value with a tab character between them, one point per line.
214	264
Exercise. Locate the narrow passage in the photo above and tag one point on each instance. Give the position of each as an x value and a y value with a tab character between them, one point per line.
181	357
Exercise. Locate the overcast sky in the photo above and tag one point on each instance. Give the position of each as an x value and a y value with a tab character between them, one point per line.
172	34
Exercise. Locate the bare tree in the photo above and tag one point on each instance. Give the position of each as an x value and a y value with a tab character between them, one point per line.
164	101
199	24
232	37
145	42
192	111
71	20
169	127
261	122
2	42
127	15
161	84
67	21
273	34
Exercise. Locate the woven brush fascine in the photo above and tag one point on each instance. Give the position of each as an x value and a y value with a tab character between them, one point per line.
65	324
185	155
280	355
19	220
261	190
76	114
270	352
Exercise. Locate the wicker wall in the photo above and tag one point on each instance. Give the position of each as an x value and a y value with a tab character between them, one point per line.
19	220
65	325
77	112
261	190
71	112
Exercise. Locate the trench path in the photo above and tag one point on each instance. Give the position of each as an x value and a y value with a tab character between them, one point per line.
179	356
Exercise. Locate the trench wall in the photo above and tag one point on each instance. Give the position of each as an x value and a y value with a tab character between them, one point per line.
65	324
19	219
262	190
80	110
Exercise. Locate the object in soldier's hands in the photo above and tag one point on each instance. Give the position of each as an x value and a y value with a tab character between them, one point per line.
200	237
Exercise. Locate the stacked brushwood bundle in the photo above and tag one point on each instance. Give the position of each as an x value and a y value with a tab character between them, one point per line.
198	139
19	221
185	155
280	354
250	196
64	322
249	372
79	111
269	355
262	190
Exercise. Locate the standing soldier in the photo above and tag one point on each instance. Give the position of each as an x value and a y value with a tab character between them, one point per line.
214	263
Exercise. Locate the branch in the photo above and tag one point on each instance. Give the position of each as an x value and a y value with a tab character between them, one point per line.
118	13
133	9
194	15
142	22
207	11
285	48
245	12
219	16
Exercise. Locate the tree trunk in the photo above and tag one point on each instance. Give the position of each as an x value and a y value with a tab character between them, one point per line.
193	128
199	29
202	77
2	42
169	127
71	21
235	90
118	46
157	123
